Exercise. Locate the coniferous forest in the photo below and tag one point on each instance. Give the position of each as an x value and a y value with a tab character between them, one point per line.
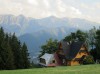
13	54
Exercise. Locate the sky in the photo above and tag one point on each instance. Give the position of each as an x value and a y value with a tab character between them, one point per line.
84	9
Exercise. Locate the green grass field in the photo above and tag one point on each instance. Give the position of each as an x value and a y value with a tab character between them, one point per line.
83	69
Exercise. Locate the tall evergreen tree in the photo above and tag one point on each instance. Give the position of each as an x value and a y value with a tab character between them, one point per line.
25	56
16	48
1	49
9	60
12	54
98	43
91	37
2	35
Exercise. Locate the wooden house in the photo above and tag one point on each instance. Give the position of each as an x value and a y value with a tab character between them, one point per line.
68	54
50	60
72	54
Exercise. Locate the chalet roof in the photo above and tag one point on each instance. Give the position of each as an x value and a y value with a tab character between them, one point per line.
74	48
65	47
71	50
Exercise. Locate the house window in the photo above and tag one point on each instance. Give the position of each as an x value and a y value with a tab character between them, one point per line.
63	60
42	60
53	61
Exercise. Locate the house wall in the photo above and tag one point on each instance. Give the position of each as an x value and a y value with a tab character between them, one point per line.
60	51
79	55
68	63
58	61
72	63
75	63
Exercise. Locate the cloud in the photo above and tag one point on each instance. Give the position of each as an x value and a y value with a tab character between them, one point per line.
46	3
33	2
64	10
60	8
97	5
77	11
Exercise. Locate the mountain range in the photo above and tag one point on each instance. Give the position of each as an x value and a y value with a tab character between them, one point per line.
35	32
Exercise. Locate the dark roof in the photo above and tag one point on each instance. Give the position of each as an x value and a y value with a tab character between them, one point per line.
74	48
71	50
65	47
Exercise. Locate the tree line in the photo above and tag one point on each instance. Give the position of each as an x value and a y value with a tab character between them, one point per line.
13	54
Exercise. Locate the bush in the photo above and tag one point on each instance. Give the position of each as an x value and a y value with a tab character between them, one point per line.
88	60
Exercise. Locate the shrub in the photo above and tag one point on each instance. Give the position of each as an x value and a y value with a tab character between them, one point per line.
88	60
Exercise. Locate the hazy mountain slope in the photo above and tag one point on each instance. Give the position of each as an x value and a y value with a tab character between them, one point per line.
37	39
35	32
22	25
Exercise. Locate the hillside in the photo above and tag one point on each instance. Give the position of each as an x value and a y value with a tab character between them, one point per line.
83	69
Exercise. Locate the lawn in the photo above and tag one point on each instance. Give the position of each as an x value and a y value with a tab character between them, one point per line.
83	69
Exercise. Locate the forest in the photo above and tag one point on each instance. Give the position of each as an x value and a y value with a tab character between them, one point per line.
13	54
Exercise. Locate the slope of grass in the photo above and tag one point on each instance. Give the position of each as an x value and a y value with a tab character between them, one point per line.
83	69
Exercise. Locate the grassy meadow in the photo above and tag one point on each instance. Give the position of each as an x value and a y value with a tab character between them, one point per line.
83	69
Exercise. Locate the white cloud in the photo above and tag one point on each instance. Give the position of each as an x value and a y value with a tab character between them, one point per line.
77	11
46	3
58	8
33	2
61	6
97	5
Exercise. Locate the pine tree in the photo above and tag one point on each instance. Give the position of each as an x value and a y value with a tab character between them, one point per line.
91	37
9	54
13	55
1	49
98	43
25	56
16	48
2	34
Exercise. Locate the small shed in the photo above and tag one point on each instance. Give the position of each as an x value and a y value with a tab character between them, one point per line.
47	60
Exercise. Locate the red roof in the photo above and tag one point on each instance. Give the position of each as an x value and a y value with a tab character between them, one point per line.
52	65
